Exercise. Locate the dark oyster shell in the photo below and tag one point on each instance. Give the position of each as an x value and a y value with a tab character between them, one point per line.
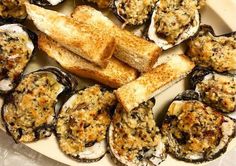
197	75
29	111
187	95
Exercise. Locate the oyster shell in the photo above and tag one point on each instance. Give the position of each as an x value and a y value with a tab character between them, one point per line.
194	131
133	12
134	138
216	90
215	52
17	45
82	123
46	2
173	22
29	112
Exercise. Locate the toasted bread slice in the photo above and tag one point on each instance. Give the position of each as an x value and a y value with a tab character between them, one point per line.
85	40
114	75
153	82
135	51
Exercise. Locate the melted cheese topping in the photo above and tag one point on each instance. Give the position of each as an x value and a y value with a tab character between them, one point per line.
174	16
218	53
84	119
13	9
135	132
14	54
194	128
219	92
32	106
134	11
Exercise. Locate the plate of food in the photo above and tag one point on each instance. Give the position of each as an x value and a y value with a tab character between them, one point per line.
116	82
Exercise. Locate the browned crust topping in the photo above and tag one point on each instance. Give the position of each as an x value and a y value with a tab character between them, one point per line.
12	9
218	53
134	131
84	119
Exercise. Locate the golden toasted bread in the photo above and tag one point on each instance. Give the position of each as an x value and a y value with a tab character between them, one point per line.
114	75
83	39
153	82
135	51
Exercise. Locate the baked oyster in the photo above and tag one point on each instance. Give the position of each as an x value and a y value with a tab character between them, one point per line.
215	52
29	112
46	2
134	138
12	11
133	12
216	90
195	132
174	21
83	121
17	45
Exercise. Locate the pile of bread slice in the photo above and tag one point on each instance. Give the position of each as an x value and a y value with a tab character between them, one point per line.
90	45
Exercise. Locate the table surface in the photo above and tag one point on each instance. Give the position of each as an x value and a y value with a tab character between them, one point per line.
12	154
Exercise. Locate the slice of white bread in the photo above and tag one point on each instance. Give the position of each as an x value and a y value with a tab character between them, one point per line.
85	40
153	82
114	75
133	50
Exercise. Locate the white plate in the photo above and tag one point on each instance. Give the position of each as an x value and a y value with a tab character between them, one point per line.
219	14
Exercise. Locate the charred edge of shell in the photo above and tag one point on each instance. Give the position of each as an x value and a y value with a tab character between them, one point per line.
45	2
197	75
34	39
11	20
62	78
187	95
86	160
205	29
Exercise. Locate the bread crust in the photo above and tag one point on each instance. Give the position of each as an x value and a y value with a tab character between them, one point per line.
88	41
135	51
114	75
